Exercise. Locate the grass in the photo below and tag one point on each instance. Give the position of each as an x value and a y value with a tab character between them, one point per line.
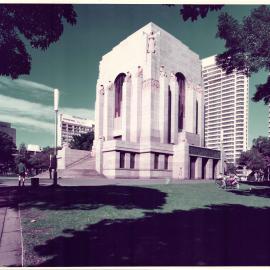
187	224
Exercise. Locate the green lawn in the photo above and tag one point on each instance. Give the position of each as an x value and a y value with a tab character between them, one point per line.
187	224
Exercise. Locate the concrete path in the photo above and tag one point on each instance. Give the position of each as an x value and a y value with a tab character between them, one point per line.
4	182
11	248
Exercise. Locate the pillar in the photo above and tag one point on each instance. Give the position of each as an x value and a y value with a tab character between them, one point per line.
161	162
99	105
174	109
136	105
108	112
209	169
99	155
127	160
163	106
198	168
125	115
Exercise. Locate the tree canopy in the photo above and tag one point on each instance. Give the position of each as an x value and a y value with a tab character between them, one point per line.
247	46
258	157
7	149
40	25
83	141
193	12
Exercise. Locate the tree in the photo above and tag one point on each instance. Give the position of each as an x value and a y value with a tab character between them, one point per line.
40	25
7	151
258	157
231	168
22	155
193	12
248	46
41	160
82	141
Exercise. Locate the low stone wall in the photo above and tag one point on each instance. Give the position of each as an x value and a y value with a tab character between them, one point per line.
67	157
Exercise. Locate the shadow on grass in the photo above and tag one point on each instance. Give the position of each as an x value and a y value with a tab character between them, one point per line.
86	198
222	235
260	192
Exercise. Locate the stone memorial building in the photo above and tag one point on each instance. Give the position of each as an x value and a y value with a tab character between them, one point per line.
149	112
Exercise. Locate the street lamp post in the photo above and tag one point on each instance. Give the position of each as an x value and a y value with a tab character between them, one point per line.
56	102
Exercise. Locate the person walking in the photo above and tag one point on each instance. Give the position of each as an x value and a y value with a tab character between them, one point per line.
21	172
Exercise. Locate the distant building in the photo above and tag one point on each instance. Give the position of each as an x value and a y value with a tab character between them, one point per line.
226	109
6	128
68	126
33	148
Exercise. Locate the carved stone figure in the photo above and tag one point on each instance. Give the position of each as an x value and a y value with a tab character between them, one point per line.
151	41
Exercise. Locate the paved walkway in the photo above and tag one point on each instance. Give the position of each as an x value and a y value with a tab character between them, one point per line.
100	182
10	233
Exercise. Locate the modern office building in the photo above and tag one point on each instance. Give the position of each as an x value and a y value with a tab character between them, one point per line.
68	126
6	128
149	110
226	109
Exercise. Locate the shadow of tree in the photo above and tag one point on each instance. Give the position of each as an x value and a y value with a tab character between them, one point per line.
87	198
260	192
221	235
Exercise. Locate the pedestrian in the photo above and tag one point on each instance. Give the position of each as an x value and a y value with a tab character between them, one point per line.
21	172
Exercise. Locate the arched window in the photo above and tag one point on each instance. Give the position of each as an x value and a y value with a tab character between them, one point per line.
181	102
118	85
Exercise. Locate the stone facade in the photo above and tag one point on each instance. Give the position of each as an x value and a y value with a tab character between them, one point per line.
149	110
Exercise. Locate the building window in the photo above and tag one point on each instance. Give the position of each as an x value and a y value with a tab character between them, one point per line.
132	160
118	85
166	162
122	160
181	101
156	162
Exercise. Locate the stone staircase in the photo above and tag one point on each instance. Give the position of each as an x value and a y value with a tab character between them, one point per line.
81	168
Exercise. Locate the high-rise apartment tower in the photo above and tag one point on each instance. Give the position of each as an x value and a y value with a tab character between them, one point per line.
226	109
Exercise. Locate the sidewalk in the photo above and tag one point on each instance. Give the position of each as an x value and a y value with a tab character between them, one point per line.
10	234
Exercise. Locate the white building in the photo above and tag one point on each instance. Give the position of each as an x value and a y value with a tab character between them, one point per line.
34	148
149	110
68	126
226	109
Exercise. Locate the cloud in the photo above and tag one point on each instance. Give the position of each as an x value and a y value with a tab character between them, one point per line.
23	85
32	115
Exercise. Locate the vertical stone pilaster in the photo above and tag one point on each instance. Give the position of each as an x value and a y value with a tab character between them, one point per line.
99	111
126	108
146	164
108	112
161	162
163	106
127	160
174	109
136	106
209	169
198	168
181	161
99	155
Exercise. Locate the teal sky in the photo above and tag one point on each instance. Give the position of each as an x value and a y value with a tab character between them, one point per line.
71	65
